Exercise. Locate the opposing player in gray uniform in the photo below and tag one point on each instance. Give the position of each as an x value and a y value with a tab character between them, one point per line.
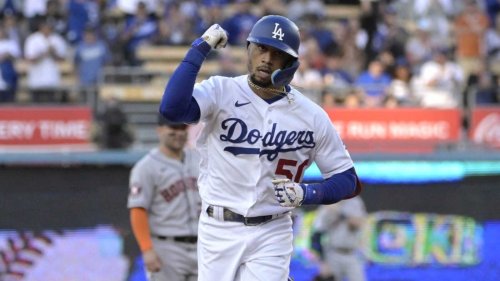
165	206
342	225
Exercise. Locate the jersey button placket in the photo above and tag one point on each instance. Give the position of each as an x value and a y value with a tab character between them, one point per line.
269	113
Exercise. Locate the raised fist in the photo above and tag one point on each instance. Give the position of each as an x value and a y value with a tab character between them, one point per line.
215	36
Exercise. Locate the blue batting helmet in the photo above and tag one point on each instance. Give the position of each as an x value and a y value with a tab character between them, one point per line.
278	32
282	34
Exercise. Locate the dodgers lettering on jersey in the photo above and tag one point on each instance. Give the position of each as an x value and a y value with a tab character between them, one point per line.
246	142
272	143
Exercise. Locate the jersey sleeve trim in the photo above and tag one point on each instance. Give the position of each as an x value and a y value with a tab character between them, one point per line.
338	187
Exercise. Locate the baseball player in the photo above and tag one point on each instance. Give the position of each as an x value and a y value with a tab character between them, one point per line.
342	225
165	205
259	136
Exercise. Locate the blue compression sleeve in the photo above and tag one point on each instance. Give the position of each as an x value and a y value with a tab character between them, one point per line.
177	103
337	187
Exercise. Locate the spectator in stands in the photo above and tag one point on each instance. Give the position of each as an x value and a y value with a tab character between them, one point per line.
240	23
175	28
439	82
368	20
55	14
44	49
419	46
310	51
227	65
424	8
91	56
470	26
354	99
298	9
139	29
321	33
81	14
113	130
33	10
389	35
400	89
215	2
13	27
12	7
111	28
352	41
390	102
493	10
492	46
9	52
373	83
131	7
211	12
483	86
334	76
308	79
273	7
388	61
437	14
328	97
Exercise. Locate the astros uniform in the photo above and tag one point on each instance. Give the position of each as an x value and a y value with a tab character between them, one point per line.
167	189
245	143
342	240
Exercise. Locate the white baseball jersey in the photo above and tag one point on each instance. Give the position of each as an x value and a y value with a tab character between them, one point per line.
247	142
167	189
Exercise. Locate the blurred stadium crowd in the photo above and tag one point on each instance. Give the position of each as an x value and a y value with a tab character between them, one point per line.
425	53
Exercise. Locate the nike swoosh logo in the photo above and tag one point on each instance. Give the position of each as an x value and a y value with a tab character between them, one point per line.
238	104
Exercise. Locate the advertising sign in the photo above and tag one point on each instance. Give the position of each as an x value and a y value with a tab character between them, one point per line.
485	127
400	129
45	126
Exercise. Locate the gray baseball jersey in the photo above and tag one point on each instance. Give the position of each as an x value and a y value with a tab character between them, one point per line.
168	190
343	241
331	220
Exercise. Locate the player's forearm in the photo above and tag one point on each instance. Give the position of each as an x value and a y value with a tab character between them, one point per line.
338	187
178	103
140	228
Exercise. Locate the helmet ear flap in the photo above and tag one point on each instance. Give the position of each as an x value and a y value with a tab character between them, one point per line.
283	77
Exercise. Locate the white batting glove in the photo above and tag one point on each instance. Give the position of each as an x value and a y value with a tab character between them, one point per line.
215	36
288	193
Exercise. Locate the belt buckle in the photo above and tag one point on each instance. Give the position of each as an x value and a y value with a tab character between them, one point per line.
247	222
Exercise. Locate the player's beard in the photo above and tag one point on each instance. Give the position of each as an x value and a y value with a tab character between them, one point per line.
263	84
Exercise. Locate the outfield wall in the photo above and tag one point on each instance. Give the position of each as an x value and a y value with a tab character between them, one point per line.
79	203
